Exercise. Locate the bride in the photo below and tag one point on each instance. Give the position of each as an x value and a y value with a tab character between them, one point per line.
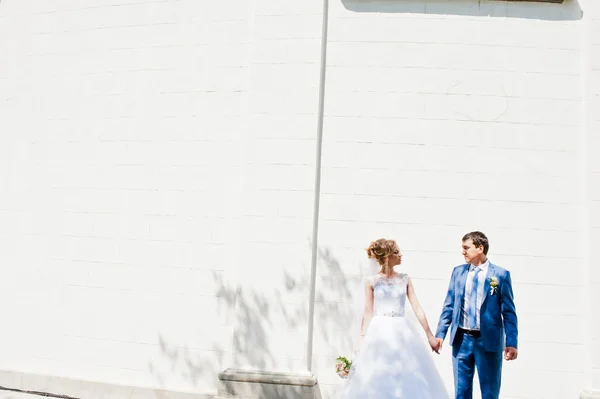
392	362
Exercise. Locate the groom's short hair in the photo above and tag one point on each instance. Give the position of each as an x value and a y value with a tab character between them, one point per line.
479	239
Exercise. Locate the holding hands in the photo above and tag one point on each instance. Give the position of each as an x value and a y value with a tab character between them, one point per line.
435	343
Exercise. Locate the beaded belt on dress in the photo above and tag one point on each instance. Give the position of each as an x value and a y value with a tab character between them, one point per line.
392	314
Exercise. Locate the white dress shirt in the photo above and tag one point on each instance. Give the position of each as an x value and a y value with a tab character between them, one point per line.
468	288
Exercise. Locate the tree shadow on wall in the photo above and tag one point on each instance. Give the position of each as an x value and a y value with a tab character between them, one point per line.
190	365
569	10
194	361
335	315
248	316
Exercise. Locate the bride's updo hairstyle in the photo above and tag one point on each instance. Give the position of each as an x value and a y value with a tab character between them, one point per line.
380	250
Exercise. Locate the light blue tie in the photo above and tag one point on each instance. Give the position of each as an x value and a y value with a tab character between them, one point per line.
472	316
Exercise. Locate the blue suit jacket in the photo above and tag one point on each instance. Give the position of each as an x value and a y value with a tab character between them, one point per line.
498	315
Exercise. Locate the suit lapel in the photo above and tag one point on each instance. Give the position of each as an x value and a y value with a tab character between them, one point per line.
486	284
462	282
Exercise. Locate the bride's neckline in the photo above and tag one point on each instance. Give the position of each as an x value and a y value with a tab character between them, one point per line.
386	277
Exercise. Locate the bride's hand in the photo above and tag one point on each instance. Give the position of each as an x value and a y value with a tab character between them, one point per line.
435	344
357	349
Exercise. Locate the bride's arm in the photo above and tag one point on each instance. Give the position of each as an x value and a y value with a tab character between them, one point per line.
416	306
368	313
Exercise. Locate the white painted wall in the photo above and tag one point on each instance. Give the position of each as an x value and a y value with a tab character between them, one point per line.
591	165
157	179
466	117
272	266
122	128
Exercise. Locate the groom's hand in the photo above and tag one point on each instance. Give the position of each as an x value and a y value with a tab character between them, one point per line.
510	353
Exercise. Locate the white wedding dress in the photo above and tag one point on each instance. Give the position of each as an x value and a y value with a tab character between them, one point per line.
393	361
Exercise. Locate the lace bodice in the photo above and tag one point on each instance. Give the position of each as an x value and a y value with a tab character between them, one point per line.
389	294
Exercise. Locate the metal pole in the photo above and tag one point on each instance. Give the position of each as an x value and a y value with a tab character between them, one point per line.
317	195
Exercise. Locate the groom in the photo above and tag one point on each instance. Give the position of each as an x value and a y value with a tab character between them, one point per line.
480	309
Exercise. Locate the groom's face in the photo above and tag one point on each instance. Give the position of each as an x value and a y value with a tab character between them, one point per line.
470	251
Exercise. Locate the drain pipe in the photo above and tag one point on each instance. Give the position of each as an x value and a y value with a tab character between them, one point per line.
584	211
317	195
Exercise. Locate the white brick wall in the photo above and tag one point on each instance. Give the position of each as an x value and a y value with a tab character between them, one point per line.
592	96
157	171
122	133
441	120
278	186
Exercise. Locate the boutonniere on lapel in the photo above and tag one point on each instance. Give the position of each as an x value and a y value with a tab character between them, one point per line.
493	285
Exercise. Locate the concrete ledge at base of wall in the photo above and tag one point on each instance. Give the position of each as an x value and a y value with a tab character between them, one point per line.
262	384
590	395
79	389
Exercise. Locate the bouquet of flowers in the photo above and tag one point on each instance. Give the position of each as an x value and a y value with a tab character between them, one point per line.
342	367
